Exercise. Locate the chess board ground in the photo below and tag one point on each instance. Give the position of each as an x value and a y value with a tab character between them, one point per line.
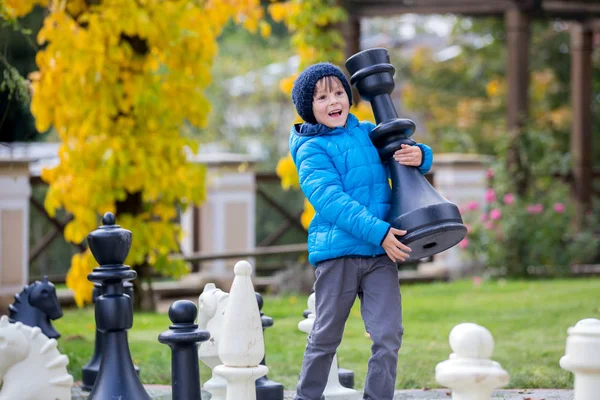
529	321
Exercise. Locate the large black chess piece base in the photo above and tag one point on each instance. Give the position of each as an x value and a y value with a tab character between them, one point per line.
89	372
433	224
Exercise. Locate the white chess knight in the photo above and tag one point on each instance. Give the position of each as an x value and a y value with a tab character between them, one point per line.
333	389
582	358
241	345
31	368
470	372
211	313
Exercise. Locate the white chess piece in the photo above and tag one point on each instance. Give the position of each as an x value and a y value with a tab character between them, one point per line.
31	368
211	313
582	358
241	346
470	372
333	389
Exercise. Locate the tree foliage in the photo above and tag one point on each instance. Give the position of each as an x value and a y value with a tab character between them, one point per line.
117	80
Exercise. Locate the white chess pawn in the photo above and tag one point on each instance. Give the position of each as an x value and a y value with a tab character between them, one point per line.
333	389
582	358
211	313
470	372
241	346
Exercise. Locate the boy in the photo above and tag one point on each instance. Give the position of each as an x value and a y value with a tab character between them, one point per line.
353	248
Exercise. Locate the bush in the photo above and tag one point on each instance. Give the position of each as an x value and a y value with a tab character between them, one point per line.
533	233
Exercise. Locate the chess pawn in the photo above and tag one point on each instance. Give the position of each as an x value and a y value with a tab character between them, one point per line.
470	372
333	389
241	347
582	358
211	307
182	337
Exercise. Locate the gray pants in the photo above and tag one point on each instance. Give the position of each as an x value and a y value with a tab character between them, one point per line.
338	282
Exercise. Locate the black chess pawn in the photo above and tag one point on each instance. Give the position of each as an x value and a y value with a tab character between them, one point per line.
116	378
266	389
89	372
182	337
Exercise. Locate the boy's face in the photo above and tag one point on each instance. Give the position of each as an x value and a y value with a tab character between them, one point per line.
330	102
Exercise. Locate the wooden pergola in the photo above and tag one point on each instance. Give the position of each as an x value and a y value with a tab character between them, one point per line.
584	19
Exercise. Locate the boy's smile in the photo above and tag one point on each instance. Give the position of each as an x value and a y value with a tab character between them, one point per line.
330	102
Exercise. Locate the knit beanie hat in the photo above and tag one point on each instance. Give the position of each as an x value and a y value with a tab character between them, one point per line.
304	88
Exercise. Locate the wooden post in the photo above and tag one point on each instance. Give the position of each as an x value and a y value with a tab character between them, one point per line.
517	73
351	32
581	101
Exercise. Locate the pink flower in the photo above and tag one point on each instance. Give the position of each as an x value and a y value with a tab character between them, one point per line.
509	198
463	243
495	214
535	208
477	281
559	207
490	195
484	217
489	173
488	225
468	227
472	205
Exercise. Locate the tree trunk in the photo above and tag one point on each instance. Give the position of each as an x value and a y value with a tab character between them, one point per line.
143	300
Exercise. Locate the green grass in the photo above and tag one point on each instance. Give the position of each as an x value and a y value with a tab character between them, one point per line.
529	321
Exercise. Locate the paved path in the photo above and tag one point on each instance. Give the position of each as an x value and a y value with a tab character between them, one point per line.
160	392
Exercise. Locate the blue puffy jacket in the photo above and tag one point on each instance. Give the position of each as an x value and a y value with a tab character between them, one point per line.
344	179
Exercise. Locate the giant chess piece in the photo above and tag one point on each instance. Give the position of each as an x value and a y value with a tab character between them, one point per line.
582	358
31	367
182	337
211	314
266	389
117	378
470	372
37	305
433	224
89	372
241	350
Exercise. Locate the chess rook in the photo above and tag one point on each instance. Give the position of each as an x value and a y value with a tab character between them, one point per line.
182	337
469	372
582	358
116	378
433	224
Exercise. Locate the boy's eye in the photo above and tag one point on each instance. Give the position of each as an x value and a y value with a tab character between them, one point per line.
321	97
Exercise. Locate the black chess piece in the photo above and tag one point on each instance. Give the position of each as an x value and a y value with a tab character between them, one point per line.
346	377
116	378
433	223
89	372
266	389
37	305
182	337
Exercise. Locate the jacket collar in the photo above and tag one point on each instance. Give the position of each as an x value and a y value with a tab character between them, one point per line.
309	129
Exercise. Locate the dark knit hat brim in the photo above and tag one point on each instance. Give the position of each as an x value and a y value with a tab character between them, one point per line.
304	88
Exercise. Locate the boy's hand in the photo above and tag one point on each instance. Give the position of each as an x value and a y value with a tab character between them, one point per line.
393	247
411	156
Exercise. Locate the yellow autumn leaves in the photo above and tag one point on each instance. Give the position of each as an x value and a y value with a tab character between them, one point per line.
117	80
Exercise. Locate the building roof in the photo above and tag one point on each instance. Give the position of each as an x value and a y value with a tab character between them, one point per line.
41	155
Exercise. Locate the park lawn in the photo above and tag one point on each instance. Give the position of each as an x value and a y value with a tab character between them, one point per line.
529	322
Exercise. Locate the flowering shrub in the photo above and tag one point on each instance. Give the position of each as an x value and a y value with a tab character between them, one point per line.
530	235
